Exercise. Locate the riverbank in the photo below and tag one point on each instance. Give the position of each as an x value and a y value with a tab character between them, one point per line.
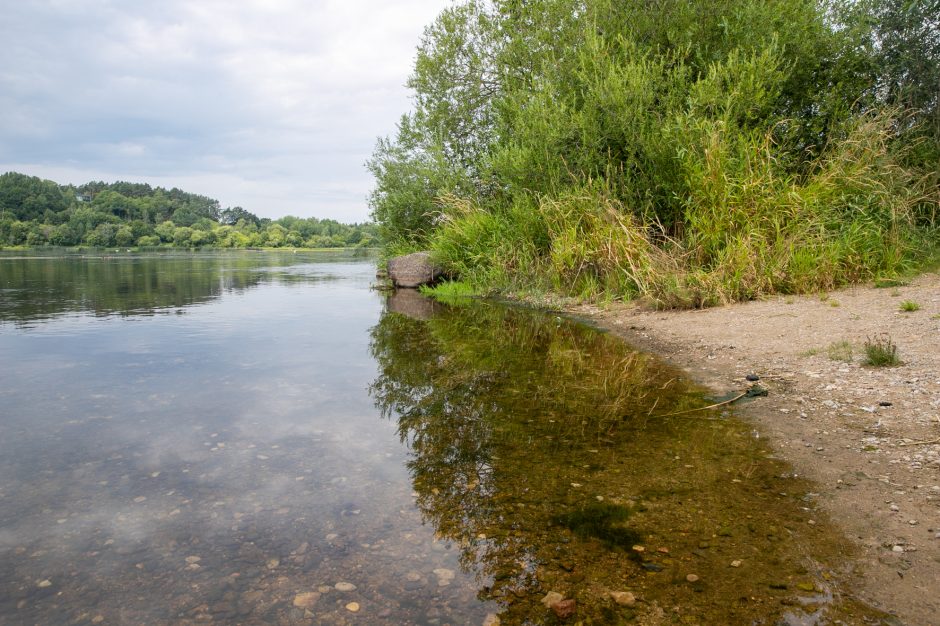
870	437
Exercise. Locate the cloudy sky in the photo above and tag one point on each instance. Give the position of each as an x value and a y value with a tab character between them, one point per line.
272	105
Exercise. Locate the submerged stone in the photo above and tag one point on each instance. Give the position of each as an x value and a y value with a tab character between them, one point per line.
565	608
552	597
306	600
623	598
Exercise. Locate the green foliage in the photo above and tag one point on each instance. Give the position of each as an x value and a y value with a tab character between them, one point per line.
881	351
693	153
148	241
36	212
410	172
903	37
450	292
909	306
29	197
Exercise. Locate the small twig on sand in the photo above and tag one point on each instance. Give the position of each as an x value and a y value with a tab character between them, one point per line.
705	408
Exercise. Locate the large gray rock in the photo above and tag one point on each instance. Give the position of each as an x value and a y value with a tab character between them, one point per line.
413	270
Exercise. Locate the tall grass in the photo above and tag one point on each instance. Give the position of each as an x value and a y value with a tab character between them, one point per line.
748	228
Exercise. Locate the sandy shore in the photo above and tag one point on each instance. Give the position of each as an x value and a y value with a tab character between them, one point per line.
870	437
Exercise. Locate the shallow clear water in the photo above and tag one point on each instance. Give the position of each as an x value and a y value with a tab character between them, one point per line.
245	437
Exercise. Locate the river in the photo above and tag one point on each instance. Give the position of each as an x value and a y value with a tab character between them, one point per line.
263	438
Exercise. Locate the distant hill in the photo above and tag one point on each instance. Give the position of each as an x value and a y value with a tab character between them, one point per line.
39	212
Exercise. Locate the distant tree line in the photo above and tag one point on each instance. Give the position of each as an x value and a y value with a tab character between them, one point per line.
39	212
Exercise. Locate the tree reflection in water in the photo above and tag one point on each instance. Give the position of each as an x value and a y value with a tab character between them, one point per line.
538	446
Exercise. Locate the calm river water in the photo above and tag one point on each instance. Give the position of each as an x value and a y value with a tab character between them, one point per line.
261	438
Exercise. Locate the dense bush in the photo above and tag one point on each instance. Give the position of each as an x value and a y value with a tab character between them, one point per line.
694	152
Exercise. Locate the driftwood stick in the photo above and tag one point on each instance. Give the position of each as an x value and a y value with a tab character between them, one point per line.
705	408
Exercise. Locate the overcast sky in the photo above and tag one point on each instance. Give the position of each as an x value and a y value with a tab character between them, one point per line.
272	105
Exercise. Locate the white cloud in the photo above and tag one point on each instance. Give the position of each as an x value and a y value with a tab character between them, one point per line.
269	104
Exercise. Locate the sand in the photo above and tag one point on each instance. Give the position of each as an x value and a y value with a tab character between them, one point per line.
869	437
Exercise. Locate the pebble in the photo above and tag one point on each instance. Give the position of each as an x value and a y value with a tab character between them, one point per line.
344	586
491	619
552	597
353	607
623	598
912	522
895	507
565	608
897	549
444	576
306	600
193	559
692	578
45	583
736	563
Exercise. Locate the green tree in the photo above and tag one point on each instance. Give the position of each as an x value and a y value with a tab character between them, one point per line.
903	37
410	175
232	215
165	231
148	241
182	236
103	236
124	236
29	197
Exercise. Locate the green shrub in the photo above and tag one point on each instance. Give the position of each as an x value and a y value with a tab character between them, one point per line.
693	153
881	351
909	306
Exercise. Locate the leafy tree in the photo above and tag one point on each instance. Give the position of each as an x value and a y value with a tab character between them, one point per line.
64	235
165	231
182	236
232	215
29	197
103	236
148	241
903	37
410	172
124	236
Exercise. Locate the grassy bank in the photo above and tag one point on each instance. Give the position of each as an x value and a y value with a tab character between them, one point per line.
691	153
